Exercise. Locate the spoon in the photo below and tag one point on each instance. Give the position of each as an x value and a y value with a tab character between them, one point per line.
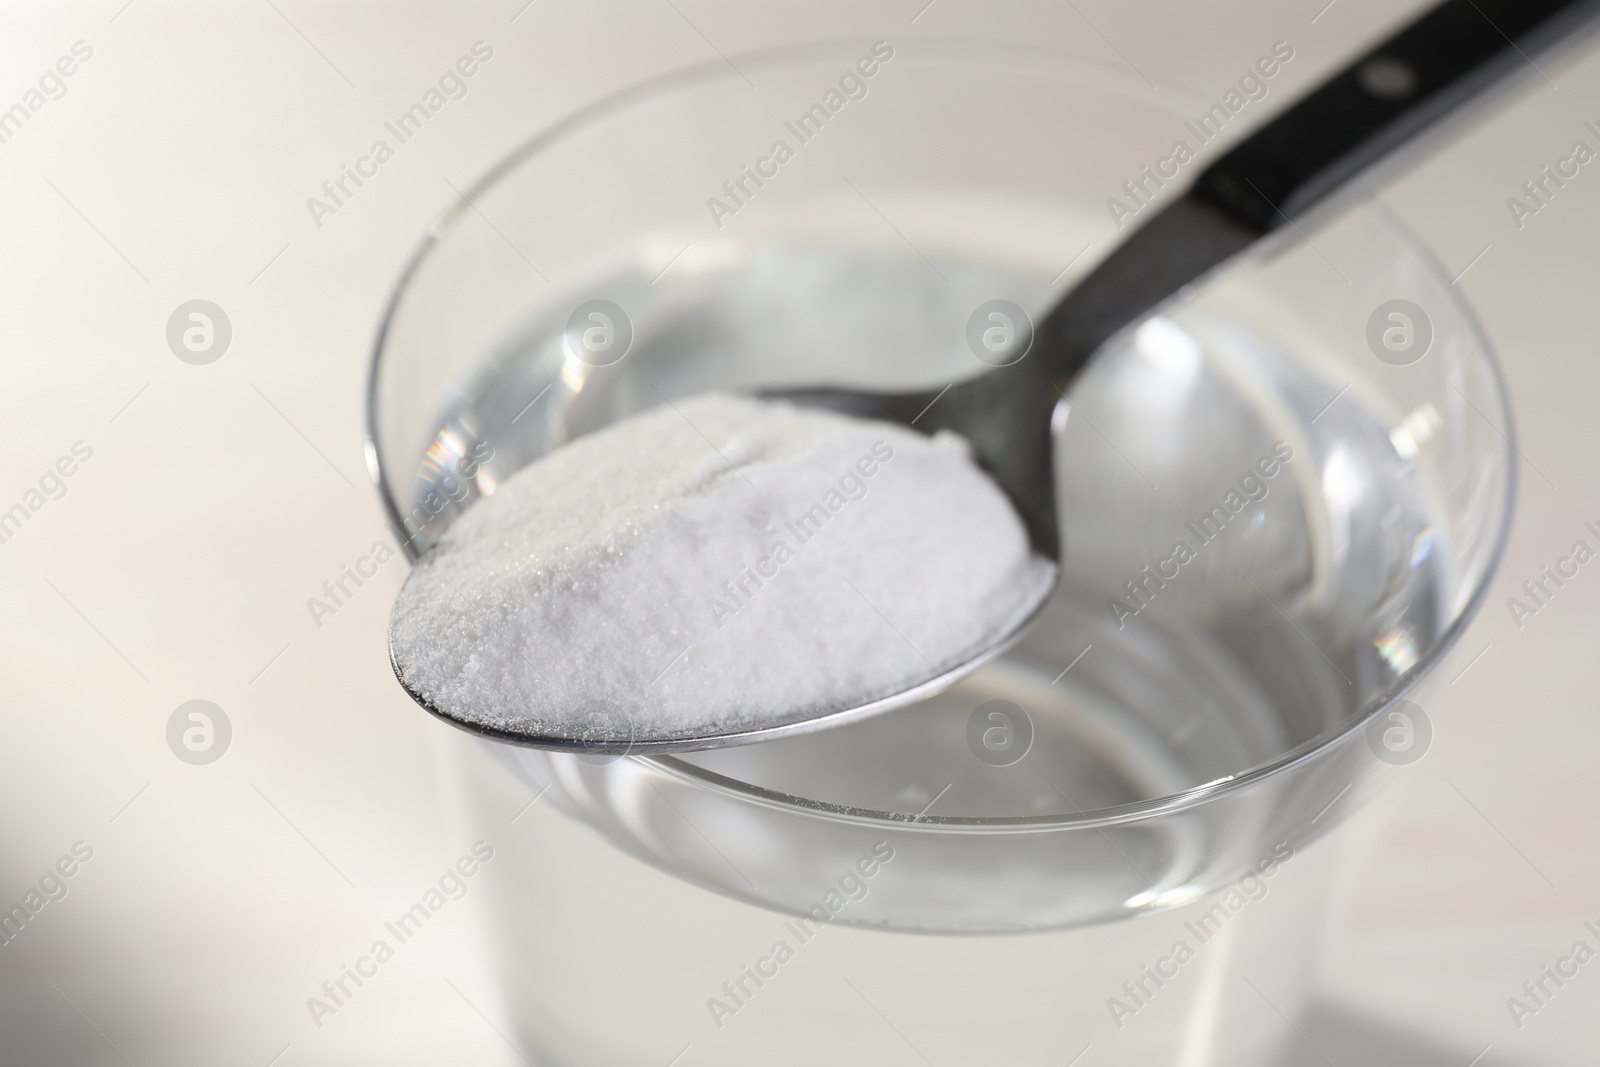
1391	99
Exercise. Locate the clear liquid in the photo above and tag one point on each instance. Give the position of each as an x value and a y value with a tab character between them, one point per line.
1302	608
609	962
1291	613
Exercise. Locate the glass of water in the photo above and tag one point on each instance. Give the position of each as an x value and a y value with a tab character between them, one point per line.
1282	498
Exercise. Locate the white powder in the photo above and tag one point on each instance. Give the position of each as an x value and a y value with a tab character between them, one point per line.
721	564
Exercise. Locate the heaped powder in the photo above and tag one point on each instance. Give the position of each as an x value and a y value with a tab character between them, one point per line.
714	565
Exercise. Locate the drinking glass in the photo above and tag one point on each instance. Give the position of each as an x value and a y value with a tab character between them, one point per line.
1282	497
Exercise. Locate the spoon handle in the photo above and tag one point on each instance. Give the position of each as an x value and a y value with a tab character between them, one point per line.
1438	65
1373	112
1393	97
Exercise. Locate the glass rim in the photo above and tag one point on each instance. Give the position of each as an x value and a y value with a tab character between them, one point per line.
747	792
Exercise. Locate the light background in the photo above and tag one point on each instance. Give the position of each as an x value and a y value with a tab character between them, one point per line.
220	497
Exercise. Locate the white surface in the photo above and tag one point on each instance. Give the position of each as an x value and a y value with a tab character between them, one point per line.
179	562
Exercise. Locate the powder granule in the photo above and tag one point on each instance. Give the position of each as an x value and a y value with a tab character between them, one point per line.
718	565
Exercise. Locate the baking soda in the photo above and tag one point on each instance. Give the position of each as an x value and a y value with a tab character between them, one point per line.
716	565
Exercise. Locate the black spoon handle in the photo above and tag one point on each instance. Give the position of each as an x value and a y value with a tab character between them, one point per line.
1393	95
1436	65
